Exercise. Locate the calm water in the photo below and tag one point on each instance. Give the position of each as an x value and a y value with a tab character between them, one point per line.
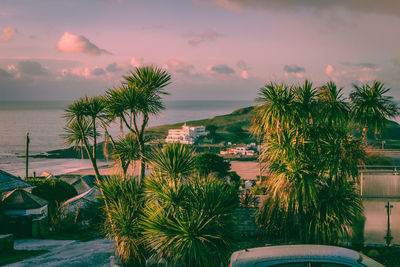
44	122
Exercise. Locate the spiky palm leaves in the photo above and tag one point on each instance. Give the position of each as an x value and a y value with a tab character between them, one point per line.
125	151
189	222
173	160
138	98
82	118
310	153
371	107
125	208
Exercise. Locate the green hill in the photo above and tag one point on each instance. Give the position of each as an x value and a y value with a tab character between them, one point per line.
224	123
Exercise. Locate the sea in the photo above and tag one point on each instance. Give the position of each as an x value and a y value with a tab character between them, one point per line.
45	124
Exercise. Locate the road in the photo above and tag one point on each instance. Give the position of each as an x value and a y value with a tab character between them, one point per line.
66	252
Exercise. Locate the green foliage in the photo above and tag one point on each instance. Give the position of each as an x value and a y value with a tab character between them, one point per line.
125	150
371	107
248	200
238	134
83	118
174	160
52	190
189	222
125	201
137	98
210	163
312	158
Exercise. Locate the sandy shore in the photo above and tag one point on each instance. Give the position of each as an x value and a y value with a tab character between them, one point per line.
248	170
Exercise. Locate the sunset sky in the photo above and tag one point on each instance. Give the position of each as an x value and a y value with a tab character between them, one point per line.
214	49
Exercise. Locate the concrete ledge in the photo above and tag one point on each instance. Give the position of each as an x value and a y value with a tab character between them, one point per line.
6	243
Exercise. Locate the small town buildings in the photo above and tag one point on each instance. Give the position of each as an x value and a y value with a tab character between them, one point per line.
243	151
9	182
20	202
186	135
25	214
84	206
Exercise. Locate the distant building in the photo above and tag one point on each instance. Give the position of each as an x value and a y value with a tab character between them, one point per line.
244	151
186	135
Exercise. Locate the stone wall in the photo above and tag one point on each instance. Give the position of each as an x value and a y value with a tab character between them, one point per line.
246	223
6	243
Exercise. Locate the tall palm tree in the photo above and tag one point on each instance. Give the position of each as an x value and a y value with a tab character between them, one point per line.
310	153
371	107
139	97
83	118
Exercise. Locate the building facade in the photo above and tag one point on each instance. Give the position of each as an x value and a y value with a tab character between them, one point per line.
186	135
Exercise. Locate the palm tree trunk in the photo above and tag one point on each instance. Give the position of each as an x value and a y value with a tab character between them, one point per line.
142	172
121	127
364	134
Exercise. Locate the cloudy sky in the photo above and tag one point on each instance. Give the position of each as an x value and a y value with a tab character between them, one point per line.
214	49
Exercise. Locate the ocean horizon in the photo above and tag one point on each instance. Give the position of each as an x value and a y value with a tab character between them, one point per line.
44	121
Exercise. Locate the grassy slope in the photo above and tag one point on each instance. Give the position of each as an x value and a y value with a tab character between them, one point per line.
240	117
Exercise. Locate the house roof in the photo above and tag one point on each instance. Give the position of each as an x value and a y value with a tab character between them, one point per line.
9	182
90	196
19	199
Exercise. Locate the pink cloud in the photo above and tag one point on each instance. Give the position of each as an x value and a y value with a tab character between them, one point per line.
207	35
362	74
137	62
7	33
245	74
72	43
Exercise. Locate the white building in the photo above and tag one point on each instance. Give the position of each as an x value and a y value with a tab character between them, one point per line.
243	151
186	135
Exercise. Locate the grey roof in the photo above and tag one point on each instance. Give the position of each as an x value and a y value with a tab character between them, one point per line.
19	199
252	256
90	196
9	182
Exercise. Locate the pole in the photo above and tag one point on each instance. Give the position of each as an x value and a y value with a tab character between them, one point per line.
388	236
27	155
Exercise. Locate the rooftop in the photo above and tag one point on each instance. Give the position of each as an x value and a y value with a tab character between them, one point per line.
19	199
9	182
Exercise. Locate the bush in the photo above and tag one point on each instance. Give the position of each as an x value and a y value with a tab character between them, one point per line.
207	163
189	223
54	191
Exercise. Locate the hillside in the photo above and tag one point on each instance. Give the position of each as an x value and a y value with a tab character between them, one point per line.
224	123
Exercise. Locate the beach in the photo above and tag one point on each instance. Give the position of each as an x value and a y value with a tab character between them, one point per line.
247	170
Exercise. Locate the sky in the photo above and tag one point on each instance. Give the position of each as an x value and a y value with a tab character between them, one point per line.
213	49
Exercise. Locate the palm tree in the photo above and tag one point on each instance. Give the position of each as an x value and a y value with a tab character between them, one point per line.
274	111
125	210
371	107
312	151
333	105
126	152
82	118
189	223
138	98
174	160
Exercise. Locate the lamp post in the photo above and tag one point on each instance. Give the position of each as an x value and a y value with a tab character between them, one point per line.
27	155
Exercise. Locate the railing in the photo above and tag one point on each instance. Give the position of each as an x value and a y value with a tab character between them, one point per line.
379	169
